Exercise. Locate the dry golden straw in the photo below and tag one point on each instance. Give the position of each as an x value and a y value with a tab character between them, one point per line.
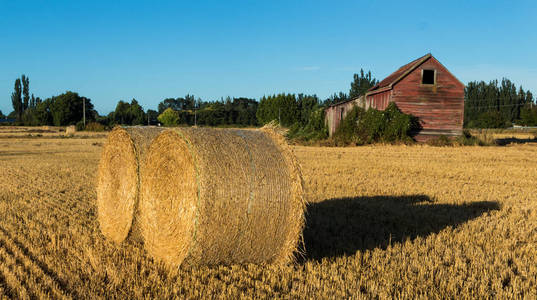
221	196
118	182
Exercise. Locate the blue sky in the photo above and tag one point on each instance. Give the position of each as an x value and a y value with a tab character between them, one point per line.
212	49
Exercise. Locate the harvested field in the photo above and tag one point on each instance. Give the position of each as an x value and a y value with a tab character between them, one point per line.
384	221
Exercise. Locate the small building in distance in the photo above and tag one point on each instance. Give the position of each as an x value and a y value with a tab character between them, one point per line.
423	88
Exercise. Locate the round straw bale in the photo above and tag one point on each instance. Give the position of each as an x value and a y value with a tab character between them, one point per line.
118	181
70	130
221	196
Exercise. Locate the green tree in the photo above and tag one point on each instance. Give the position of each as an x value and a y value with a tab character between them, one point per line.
129	113
361	83
43	112
336	98
12	115
501	102
32	102
528	115
175	104
306	104
16	99
189	102
2	116
169	117
136	113
152	116
25	91
67	109
314	129
121	113
212	114
243	112
281	107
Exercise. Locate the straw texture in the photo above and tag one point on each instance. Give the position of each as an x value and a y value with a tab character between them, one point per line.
221	196
119	182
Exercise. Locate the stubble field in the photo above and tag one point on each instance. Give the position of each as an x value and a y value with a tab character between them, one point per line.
383	221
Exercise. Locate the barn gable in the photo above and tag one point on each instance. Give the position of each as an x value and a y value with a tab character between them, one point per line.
393	78
431	93
402	72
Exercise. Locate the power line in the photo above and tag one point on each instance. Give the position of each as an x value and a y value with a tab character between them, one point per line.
494	99
495	106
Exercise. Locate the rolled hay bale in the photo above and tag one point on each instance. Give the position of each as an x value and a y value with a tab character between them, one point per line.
221	196
70	130
118	181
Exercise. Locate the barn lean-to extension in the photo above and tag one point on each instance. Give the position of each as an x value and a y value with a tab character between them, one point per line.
423	88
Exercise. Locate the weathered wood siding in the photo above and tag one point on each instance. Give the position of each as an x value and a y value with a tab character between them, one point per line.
440	107
336	113
379	100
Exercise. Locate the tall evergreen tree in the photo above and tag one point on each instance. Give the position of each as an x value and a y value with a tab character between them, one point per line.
282	108
496	104
25	91
16	99
361	84
336	98
32	101
136	112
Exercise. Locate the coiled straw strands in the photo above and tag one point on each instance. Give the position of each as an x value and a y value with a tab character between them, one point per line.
118	181
221	196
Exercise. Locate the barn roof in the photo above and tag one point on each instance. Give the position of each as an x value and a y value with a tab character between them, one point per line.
345	101
400	73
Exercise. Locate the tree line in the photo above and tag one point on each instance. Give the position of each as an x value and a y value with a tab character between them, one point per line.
498	104
299	111
487	105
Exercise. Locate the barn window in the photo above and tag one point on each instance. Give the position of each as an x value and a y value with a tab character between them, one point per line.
428	77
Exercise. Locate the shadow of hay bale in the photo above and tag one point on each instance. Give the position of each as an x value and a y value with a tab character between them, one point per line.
513	140
341	226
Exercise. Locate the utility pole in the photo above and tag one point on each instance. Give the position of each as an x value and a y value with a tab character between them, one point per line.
148	119
279	115
84	111
195	118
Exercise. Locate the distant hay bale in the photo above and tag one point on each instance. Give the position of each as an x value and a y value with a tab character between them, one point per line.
70	130
118	181
221	196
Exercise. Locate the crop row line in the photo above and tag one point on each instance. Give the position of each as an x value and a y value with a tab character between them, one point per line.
44	278
25	232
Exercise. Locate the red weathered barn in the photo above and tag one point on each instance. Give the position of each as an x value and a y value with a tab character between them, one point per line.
423	88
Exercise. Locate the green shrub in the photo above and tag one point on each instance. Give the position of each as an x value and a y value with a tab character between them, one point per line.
440	141
314	130
528	116
94	126
490	119
348	131
364	127
169	117
79	126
